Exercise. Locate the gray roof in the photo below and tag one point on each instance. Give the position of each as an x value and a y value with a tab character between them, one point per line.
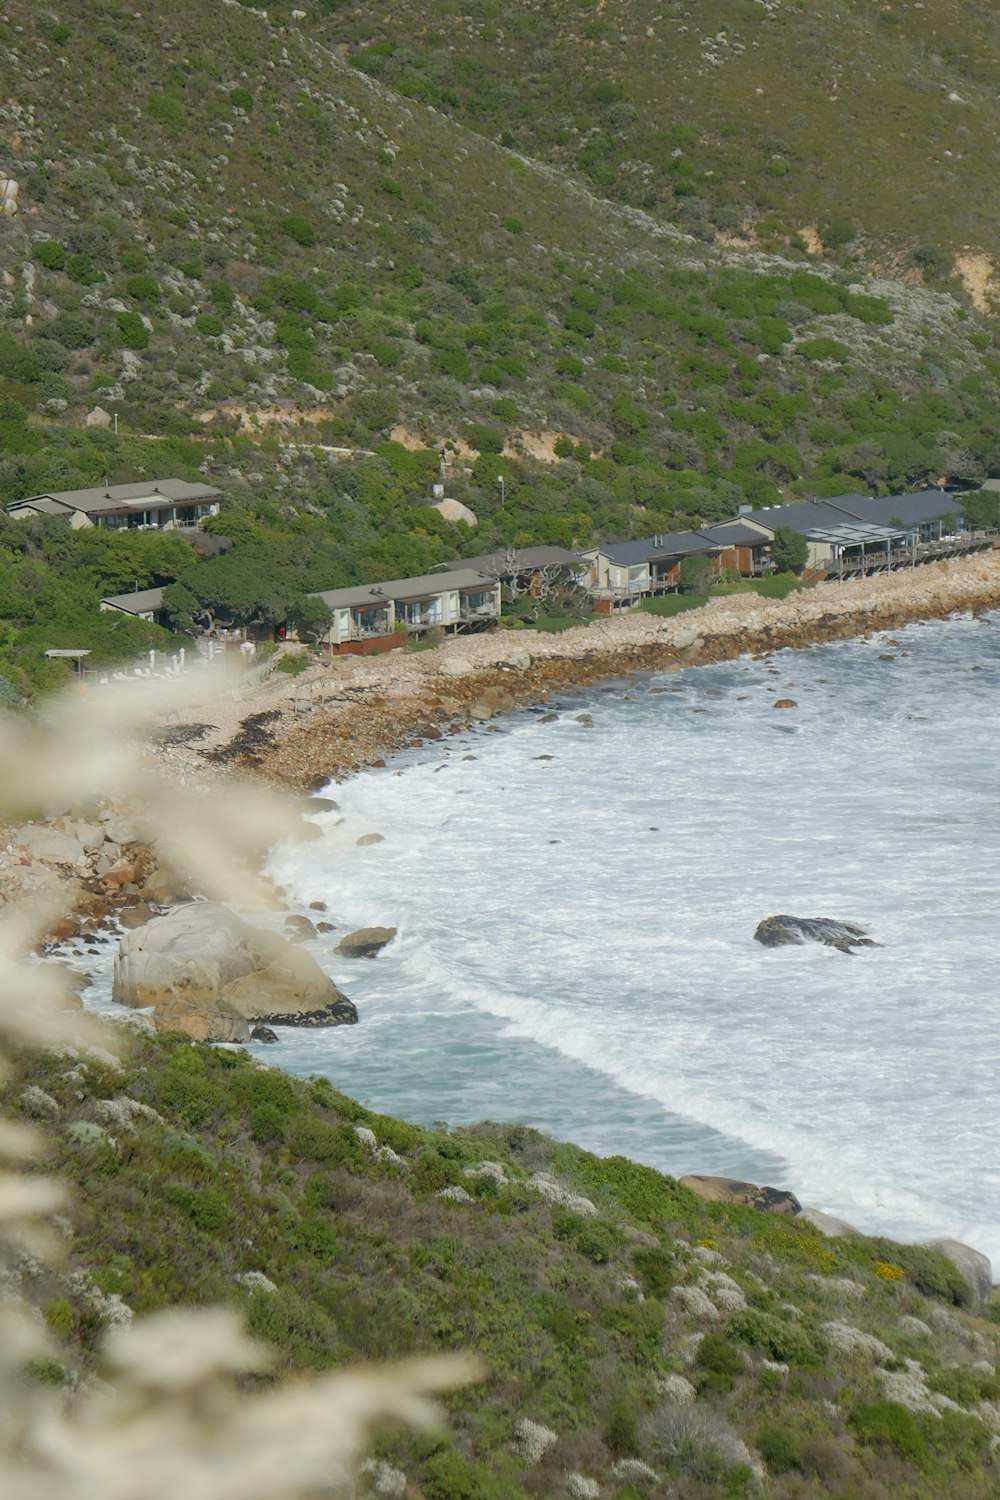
736	534
804	516
523	558
358	596
855	533
372	595
672	544
911	508
141	603
122	496
436	583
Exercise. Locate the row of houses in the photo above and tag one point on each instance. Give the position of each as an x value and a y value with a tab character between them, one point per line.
844	536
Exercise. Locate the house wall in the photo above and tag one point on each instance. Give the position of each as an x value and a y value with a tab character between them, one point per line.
372	644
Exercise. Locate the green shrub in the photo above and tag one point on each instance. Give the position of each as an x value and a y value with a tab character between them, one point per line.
144	288
299	229
594	1238
241	98
886	1424
210	324
448	1476
823	349
578	321
777	1338
168	109
133	333
621	1428
80	268
717	1364
778	1448
656	1271
50	254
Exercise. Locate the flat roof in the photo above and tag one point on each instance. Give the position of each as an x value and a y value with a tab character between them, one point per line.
359	596
852	535
125	496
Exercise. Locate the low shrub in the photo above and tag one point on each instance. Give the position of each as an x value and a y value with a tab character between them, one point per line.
778	1448
775	1337
50	254
886	1424
717	1365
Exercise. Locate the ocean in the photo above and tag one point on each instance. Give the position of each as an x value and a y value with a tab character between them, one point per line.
576	901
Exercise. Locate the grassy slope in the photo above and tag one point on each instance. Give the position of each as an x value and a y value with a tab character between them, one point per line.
794	114
577	1318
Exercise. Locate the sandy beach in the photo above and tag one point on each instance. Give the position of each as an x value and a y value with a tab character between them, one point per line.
352	711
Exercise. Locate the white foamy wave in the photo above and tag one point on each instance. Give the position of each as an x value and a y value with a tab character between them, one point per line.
576	932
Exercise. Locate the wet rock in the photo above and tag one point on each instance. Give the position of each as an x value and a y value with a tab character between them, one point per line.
586	720
784	703
300	929
207	972
365	942
779	931
136	916
317	906
549	719
370	838
320	805
263	1034
734	1190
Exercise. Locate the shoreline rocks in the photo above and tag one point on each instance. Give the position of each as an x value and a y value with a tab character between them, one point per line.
208	973
365	942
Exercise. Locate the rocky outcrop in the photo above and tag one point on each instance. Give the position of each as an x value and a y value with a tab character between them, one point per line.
205	971
733	1190
975	1269
365	942
827	1224
779	931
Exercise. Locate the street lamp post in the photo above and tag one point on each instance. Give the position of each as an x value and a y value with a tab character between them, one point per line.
502	496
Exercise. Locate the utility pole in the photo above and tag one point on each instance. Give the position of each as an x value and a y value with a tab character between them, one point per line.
502	496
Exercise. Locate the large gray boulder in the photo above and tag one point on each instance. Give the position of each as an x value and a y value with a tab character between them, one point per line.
777	932
975	1268
207	972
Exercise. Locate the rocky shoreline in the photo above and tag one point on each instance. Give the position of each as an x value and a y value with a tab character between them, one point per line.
350	714
354	712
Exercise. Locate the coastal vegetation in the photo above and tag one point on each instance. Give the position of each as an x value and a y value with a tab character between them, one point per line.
634	1337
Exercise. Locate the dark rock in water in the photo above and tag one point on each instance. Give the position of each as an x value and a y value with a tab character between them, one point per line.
319	804
776	932
263	1034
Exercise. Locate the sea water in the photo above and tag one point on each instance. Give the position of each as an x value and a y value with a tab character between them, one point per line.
576	905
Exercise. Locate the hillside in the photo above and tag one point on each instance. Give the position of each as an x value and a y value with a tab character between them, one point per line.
638	1342
254	241
874	125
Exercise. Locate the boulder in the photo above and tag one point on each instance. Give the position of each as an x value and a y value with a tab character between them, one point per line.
125	830
136	916
365	942
40	842
974	1267
300	929
456	666
827	1224
370	838
733	1190
207	972
263	1034
777	932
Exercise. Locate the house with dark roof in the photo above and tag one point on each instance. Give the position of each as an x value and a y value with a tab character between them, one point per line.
161	504
746	547
527	570
622	573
